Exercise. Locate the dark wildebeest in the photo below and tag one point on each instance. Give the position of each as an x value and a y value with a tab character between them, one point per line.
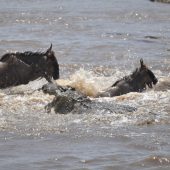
136	82
39	64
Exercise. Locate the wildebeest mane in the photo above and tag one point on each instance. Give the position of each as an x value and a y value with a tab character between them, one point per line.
24	56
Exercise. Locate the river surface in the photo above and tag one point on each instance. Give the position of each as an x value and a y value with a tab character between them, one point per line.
96	42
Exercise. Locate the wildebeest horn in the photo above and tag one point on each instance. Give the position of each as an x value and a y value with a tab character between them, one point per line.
48	50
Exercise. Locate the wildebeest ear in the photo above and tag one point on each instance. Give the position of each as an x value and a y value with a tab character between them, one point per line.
49	49
142	64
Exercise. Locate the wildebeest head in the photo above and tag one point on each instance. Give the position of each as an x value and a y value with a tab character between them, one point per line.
52	63
147	77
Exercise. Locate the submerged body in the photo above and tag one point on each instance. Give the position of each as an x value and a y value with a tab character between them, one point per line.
136	82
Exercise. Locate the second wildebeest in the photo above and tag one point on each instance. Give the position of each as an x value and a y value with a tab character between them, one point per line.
136	82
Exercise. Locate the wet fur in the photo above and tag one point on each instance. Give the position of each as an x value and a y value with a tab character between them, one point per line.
27	66
136	82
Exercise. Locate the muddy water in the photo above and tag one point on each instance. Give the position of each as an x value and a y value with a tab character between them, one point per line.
96	43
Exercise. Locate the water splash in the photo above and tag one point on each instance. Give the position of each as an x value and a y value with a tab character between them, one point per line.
88	82
83	81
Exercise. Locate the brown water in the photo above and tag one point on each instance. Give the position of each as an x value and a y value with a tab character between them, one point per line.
96	42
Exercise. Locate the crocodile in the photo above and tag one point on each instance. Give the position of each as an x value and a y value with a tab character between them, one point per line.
69	100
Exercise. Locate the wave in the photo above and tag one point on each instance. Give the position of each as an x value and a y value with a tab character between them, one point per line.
22	107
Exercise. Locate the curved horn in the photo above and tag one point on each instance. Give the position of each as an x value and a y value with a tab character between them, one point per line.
50	48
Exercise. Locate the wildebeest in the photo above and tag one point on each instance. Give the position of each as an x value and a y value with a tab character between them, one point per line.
28	66
136	82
